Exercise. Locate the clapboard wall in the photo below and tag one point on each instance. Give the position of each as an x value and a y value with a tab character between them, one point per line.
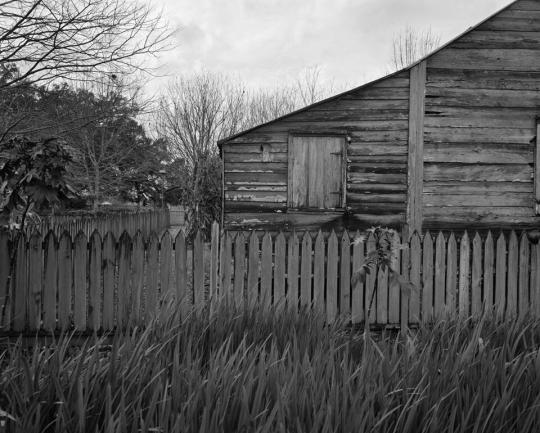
374	119
447	143
481	103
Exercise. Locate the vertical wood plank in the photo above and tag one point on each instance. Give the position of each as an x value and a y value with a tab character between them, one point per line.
523	283
476	276
293	253
137	264
239	269
124	273
180	258
332	279
370	301
404	319
416	147
513	269
50	286
214	261
381	316
305	272
415	277
152	279
65	280
198	270
440	276
279	271
537	167
94	277
266	270
35	281
357	290
80	262
535	280
225	271
451	276
318	274
500	276
464	274
393	285
252	288
5	295
109	269
165	266
427	279
20	287
345	278
489	267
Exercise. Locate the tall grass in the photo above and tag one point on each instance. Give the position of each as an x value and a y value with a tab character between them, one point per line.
256	371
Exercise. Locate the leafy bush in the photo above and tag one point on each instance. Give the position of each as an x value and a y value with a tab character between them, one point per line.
256	371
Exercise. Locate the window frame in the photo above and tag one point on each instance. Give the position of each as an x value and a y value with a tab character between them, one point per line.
330	134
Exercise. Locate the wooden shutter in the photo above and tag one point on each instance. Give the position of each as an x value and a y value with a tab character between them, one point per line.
315	172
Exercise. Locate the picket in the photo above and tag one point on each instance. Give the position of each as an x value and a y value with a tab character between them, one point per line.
415	278
427	278
239	269
489	268
50	282
513	269
252	288
500	270
5	316
451	275
523	283
279	271
345	278
357	288
65	280
198	270
35	281
137	266
293	251
80	260
464	273
305	271
266	270
332	279
476	277
440	276
318	274
95	283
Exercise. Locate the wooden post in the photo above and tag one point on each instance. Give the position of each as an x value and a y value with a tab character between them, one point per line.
427	275
345	278
476	277
414	276
305	272
35	266
266	270
279	271
451	276
416	148
180	257
331	278
253	270
357	290
464	272
50	283
198	270
240	269
137	260
513	269
94	292
318	274
292	272
500	276
80	259
489	267
440	276
109	268
523	292
65	280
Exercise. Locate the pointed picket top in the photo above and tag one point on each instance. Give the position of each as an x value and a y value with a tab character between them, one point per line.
427	237
166	237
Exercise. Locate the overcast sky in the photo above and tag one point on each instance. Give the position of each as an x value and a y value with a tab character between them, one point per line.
265	42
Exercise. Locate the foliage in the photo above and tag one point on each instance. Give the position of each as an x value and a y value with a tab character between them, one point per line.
266	371
32	175
381	258
411	45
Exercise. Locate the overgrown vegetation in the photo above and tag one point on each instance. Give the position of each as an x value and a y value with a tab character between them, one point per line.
264	371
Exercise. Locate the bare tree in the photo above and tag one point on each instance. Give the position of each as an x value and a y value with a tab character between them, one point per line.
76	39
411	45
199	110
311	87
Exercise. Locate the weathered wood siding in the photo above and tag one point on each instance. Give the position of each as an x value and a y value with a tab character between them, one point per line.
374	118
482	100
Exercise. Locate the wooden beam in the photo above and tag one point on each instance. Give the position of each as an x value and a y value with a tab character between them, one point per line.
416	147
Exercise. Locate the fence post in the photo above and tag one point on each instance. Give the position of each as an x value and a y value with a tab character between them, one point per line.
331	278
198	270
214	261
464	273
345	278
240	268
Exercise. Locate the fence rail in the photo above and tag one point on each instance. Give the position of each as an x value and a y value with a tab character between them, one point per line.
102	283
147	221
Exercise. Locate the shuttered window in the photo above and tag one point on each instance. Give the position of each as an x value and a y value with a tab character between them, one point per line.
316	175
537	169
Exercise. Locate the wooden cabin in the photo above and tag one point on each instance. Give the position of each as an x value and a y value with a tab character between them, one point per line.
449	142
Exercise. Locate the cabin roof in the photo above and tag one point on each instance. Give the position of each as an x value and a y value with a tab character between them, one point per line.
339	95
